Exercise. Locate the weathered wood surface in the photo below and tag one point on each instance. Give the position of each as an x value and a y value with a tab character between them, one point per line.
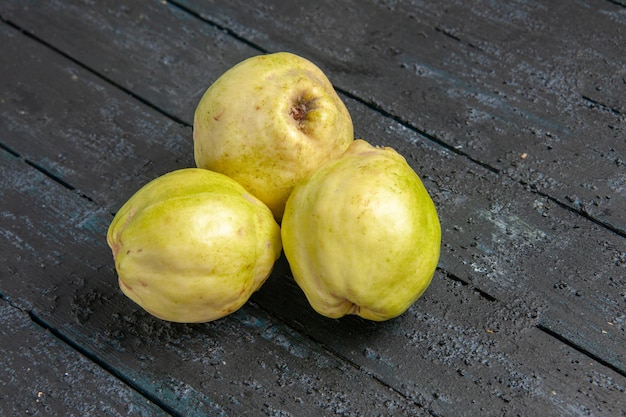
43	376
492	80
493	105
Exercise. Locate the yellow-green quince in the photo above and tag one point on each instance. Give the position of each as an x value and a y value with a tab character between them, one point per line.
362	235
269	122
193	245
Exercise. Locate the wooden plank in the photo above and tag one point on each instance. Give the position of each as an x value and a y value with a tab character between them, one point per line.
246	363
460	353
523	112
148	41
518	247
58	263
107	323
509	243
579	35
437	357
493	81
43	376
30	114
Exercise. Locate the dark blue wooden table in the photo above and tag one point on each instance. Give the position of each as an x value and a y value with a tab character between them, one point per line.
513	113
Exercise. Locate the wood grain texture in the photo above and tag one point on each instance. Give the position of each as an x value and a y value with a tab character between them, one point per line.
245	363
41	376
492	80
518	247
524	235
526	313
51	128
527	109
436	357
458	352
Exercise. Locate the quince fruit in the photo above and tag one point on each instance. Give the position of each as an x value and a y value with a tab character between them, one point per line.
362	235
269	122
193	245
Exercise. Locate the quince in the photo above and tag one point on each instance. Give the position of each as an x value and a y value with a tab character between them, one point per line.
193	245
269	122
362	235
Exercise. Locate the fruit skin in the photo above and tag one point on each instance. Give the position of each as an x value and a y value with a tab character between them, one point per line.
268	122
362	235
193	245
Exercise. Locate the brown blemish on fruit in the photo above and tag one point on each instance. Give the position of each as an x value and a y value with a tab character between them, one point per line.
115	248
218	116
125	285
300	109
131	214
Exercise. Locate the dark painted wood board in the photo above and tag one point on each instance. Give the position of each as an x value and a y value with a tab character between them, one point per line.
42	376
461	353
493	80
33	127
436	356
82	309
526	251
60	268
499	237
247	363
535	91
521	248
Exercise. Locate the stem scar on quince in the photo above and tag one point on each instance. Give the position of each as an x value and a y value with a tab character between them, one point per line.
300	109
